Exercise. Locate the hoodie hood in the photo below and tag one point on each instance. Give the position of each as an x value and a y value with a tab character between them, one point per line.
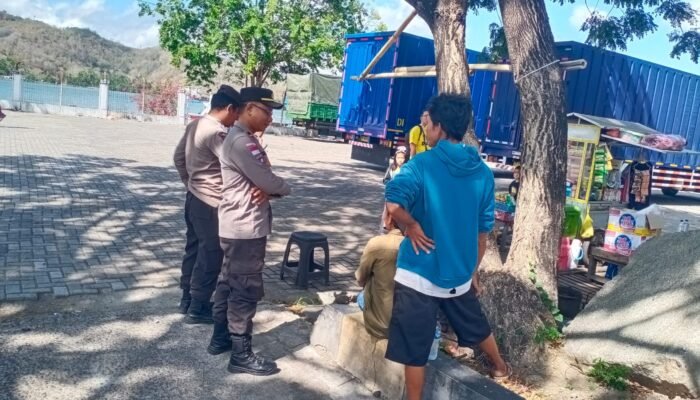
461	159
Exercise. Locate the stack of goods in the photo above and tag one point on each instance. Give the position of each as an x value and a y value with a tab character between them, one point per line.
641	185
505	207
600	173
628	229
612	186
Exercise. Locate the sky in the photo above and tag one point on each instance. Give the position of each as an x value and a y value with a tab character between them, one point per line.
118	20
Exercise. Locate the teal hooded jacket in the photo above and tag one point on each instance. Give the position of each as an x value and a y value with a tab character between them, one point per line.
449	191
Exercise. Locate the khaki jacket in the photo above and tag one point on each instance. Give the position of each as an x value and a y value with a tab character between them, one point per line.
197	159
244	166
376	274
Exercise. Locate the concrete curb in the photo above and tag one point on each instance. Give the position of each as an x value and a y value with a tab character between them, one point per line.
340	335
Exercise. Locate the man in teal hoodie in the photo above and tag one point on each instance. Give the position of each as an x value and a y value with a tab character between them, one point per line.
445	199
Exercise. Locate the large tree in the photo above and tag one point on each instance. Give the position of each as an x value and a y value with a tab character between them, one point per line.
611	24
264	39
512	300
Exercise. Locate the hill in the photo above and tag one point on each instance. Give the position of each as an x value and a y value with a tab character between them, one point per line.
42	52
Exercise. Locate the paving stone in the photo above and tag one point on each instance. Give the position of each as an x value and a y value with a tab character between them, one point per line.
21	296
56	274
13	289
60	291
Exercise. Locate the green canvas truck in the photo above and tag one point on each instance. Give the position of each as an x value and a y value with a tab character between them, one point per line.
312	102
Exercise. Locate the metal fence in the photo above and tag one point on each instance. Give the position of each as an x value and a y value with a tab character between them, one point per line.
194	106
88	98
6	88
124	102
60	95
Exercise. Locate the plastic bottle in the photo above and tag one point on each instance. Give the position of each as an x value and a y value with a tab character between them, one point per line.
436	344
686	225
564	254
575	253
681	226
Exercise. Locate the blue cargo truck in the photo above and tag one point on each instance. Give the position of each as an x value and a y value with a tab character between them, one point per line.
379	113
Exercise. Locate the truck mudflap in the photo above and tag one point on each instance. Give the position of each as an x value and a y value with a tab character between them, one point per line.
371	153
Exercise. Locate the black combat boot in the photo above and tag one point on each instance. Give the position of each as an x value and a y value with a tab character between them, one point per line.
185	301
243	360
220	340
199	313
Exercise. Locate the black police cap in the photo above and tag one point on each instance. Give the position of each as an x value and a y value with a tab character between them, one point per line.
230	93
260	95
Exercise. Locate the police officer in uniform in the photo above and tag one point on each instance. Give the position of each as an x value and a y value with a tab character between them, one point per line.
245	221
197	161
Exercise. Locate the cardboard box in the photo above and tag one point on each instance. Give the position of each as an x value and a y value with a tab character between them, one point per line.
647	222
624	243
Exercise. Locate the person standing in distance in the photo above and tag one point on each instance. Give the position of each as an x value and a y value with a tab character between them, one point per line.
197	161
417	141
445	200
245	221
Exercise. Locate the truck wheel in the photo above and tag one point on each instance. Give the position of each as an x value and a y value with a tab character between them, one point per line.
669	191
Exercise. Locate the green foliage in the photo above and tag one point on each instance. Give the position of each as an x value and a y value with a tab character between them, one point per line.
268	38
8	65
85	78
611	375
122	83
688	43
546	300
488	5
548	334
611	24
497	49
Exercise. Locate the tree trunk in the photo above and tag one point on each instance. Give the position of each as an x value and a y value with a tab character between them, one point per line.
541	199
511	302
447	22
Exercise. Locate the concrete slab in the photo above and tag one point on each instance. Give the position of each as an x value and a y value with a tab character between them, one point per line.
648	317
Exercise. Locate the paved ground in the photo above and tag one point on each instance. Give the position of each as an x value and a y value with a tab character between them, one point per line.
129	345
93	206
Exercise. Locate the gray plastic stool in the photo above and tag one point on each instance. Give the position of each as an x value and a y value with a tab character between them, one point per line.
306	268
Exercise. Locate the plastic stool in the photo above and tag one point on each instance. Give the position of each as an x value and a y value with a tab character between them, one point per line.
306	268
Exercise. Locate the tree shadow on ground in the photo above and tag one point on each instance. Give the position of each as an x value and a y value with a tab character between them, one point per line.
86	225
89	224
138	350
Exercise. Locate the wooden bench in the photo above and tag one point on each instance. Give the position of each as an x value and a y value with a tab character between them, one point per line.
599	254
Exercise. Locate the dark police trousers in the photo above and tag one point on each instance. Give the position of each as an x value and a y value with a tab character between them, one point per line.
240	284
202	229
191	246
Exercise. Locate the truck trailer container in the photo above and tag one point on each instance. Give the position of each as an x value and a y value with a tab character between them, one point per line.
379	113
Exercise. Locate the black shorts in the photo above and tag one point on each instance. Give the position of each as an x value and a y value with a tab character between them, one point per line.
413	321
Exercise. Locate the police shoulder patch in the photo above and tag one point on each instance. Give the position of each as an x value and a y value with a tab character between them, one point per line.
256	152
